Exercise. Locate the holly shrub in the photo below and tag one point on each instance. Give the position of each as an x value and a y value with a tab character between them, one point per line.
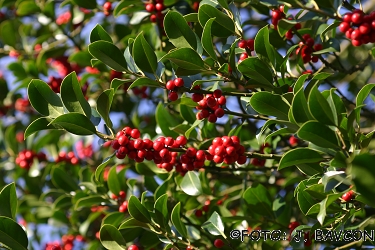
187	124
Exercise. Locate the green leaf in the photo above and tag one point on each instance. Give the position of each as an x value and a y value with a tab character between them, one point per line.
116	83
144	81
191	184
284	25
263	48
144	168
363	176
113	181
362	95
299	108
11	144
299	156
176	220
114	218
144	56
304	199
324	204
93	200
108	54
270	104
82	58
87	4
27	8
320	108
12	235
111	238
185	58
258	200
8	201
138	211
165	121
44	100
104	103
8	36
207	39
99	170
72	96
75	123
215	225
223	25
133	223
161	210
98	33
178	31
61	180
319	134
257	70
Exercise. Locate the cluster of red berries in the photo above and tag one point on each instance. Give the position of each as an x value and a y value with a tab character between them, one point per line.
307	47
123	208
107	8
348	196
277	15
173	86
158	6
119	197
193	159
23	105
55	83
245	44
358	27
260	162
63	66
293	225
210	106
25	158
67	242
289	34
227	149
64	18
67	157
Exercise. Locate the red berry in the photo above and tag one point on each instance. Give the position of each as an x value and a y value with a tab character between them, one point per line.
314	59
276	14
306	36
133	247
170	85
189	248
107	6
218	243
158	146
318	47
178	82
293	141
242	44
356	43
150	7
347	17
218	141
197	97
198	212
212	118
123	140
250	44
172	96
211	102
357	18
138	144
181	140
135	133
200	155
344	26
243	56
365	28
309	42
348	196
159	6
164	153
217	93
122	194
168	141
293	225
241	159
191	152
222	100
289	34
219	112
298	26
220	150
356	34
153	18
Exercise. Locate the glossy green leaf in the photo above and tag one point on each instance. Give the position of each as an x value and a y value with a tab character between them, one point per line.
299	107
116	83
27	8
11	144
99	170
257	70
144	168
104	103
165	120
176	220
72	96
98	33
109	54
310	169
9	201
89	201
44	100
178	31
87	4
111	238
207	39
284	25
258	199
75	123
361	96
144	81
191	184
12	235
114	218
61	180
270	104
214	225
138	211
82	58
299	156
363	176
263	48
144	56
324	205
305	202
133	223
319	134
223	25
185	58
113	181
320	108
161	210
8	36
